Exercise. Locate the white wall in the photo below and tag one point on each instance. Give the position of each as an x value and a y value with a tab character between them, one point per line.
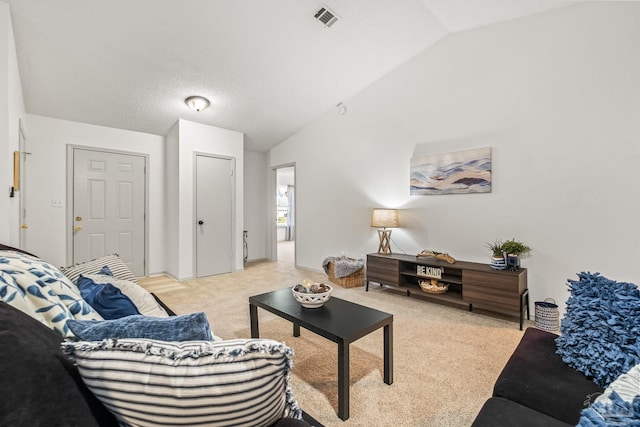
11	111
194	137
48	139
256	202
170	185
557	96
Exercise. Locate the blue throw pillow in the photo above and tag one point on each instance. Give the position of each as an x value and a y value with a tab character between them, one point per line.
106	299
600	333
189	327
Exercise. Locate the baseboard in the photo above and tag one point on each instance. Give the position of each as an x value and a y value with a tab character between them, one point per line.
256	260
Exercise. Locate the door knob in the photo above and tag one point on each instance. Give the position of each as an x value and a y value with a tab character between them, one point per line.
25	226
78	227
200	222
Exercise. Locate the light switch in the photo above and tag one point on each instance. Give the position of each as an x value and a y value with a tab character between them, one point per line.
57	203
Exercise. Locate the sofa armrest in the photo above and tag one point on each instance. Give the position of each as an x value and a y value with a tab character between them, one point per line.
10	248
39	385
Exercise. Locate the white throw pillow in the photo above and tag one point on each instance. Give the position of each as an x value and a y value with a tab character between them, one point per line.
150	383
626	385
143	300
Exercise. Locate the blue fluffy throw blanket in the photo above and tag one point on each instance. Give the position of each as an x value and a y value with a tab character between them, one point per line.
343	265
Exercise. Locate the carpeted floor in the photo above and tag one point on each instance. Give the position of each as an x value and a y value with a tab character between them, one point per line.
445	360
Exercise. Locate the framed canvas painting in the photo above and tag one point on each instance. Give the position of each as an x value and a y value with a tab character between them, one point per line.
459	172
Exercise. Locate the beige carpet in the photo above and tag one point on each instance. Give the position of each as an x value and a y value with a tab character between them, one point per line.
445	360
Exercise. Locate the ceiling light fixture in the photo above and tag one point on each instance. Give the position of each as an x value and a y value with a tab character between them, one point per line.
197	103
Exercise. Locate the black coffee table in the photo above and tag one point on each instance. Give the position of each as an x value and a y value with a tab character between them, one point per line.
340	321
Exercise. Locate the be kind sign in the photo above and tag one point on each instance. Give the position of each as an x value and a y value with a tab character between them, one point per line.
430	272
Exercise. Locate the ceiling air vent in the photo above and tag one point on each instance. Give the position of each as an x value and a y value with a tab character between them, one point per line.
326	16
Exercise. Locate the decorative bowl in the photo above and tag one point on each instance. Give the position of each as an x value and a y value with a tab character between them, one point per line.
433	287
314	296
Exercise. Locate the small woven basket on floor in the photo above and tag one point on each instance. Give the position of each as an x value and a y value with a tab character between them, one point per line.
547	317
352	281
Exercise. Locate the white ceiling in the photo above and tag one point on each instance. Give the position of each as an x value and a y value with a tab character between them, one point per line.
268	67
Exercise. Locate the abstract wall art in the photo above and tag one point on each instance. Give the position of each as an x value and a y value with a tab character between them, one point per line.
459	172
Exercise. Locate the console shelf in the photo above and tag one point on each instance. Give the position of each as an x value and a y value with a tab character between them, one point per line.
471	285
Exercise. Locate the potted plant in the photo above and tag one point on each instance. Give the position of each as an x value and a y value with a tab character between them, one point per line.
514	249
498	260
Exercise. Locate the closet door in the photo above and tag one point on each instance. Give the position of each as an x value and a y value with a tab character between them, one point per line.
214	220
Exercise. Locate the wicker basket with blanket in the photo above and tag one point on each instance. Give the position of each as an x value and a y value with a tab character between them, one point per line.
344	271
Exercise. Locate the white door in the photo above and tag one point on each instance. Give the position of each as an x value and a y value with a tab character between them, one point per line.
109	207
214	185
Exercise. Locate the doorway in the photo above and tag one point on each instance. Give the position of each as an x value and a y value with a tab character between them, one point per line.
109	206
285	214
214	215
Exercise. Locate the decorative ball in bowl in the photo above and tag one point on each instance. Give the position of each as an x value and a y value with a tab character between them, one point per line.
312	295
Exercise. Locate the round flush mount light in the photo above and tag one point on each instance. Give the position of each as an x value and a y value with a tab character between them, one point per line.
197	103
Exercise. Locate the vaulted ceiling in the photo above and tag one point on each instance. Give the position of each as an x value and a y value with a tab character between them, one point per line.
268	67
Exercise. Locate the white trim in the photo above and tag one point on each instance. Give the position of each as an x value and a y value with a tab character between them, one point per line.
273	212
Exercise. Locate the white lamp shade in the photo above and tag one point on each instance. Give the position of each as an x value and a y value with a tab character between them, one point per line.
385	218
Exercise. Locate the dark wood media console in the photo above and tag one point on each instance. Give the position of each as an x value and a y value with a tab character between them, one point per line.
471	284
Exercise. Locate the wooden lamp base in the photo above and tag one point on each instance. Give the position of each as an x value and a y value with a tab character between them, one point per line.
385	242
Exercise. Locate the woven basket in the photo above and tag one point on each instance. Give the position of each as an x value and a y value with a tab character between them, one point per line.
547	317
352	281
431	288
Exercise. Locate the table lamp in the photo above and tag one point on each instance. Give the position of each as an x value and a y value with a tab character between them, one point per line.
384	218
